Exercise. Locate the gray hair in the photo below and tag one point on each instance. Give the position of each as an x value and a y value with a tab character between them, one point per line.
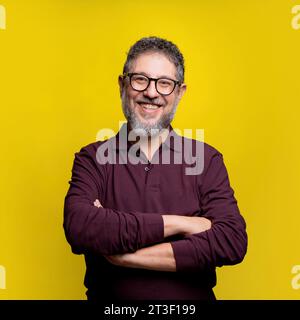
155	44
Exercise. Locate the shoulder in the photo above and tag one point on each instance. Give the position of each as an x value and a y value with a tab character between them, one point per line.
205	157
211	151
91	148
88	153
206	150
99	152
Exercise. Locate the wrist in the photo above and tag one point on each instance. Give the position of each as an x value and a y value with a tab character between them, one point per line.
172	225
185	225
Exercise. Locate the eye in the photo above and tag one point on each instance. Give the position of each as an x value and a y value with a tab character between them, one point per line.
139	79
165	82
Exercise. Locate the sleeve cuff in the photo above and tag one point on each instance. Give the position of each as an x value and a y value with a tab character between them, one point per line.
184	255
153	228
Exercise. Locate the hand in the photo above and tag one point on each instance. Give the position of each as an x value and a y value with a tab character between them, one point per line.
98	204
195	225
184	225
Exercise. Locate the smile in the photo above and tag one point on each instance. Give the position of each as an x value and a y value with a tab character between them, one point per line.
148	106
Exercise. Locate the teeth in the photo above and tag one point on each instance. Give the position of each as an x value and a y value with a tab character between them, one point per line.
150	106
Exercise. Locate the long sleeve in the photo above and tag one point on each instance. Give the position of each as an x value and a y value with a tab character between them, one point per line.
226	242
102	231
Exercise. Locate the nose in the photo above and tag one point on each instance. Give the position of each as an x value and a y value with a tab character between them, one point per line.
151	92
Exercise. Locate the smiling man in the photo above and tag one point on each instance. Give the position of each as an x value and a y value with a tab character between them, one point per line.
147	229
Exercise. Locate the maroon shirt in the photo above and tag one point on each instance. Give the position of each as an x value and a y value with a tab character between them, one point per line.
134	198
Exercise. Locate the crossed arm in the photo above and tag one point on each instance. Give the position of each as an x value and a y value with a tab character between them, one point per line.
160	257
136	239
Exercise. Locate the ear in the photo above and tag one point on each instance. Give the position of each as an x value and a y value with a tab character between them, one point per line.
181	90
121	84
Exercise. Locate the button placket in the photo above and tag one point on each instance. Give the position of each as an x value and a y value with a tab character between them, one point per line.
147	171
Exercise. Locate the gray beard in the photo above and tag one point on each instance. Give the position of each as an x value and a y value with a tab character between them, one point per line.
142	129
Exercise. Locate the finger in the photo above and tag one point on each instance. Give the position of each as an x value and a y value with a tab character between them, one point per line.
96	204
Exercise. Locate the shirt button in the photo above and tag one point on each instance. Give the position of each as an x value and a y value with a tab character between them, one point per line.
147	168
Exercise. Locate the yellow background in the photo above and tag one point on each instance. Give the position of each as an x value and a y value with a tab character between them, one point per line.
59	62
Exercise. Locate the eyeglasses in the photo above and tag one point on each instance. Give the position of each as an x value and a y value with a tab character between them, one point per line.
140	82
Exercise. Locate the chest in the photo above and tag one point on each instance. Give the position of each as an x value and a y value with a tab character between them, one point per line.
153	188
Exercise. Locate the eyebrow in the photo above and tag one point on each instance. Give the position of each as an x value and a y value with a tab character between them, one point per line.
145	74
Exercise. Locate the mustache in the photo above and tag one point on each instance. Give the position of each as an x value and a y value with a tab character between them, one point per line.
148	101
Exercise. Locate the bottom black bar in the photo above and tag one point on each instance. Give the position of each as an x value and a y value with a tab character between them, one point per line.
223	309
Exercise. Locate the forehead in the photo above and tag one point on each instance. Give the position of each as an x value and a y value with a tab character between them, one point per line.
154	65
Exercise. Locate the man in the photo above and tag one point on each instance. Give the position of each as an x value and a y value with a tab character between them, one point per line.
148	229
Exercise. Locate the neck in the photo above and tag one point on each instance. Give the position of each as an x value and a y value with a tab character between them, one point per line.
150	144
